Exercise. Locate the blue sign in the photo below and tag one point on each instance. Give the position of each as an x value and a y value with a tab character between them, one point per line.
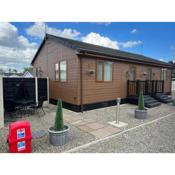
21	145
21	133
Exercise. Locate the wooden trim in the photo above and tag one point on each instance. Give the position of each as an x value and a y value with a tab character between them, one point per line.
96	74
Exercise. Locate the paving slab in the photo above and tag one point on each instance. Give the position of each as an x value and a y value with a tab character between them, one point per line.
79	123
112	129
95	125
85	128
101	133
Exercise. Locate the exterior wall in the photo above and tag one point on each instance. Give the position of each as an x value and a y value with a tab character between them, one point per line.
51	53
93	92
105	91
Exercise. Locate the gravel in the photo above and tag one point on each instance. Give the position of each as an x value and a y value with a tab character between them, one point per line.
41	145
157	137
79	137
105	115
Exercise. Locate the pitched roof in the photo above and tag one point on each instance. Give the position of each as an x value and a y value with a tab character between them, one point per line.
82	46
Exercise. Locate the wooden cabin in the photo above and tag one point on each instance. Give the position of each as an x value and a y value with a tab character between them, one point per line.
87	76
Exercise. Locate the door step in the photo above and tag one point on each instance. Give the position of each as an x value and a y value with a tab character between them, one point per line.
163	98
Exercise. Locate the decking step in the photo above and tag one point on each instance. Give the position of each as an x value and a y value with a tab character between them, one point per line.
151	105
165	98
168	101
150	101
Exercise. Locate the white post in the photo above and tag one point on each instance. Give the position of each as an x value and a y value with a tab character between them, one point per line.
118	110
47	90
118	123
1	103
36	90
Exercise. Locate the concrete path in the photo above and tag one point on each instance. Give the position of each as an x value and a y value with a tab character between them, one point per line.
155	137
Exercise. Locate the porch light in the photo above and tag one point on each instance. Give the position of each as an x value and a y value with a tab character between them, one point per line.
127	74
91	71
144	73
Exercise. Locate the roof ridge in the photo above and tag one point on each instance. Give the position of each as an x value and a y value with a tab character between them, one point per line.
83	46
120	51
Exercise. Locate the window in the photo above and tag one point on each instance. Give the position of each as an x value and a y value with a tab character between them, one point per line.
63	71
100	71
53	72
107	71
104	71
149	73
132	72
163	74
56	72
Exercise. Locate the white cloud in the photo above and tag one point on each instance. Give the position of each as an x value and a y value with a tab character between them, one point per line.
172	48
130	44
9	37
161	59
133	31
38	30
97	39
14	48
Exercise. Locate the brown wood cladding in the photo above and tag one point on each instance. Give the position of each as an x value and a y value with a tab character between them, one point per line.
96	92
68	91
92	91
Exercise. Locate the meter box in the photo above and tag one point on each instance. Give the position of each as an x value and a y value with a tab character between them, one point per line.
19	138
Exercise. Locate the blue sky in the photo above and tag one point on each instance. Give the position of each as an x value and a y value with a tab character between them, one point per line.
156	40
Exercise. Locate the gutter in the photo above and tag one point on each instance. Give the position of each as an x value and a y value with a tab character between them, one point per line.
122	59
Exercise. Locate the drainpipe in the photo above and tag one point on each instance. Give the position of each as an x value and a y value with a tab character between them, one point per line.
81	85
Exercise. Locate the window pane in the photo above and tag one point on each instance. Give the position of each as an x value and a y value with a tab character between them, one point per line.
149	74
99	71
107	71
53	72
132	73
63	71
163	74
56	72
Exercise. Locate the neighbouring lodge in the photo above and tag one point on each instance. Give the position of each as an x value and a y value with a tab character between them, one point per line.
87	76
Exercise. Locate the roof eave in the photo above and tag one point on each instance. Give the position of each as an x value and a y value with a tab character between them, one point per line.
82	52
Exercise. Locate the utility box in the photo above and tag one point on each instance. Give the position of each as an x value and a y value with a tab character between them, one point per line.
19	138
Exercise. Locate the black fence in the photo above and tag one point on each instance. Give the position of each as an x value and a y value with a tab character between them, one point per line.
23	88
42	89
148	87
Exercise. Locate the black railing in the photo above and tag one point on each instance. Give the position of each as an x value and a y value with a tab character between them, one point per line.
148	87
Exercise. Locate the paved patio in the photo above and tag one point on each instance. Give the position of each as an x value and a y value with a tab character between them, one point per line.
92	127
85	128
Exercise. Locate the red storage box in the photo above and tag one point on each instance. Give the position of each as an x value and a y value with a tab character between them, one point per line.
19	138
